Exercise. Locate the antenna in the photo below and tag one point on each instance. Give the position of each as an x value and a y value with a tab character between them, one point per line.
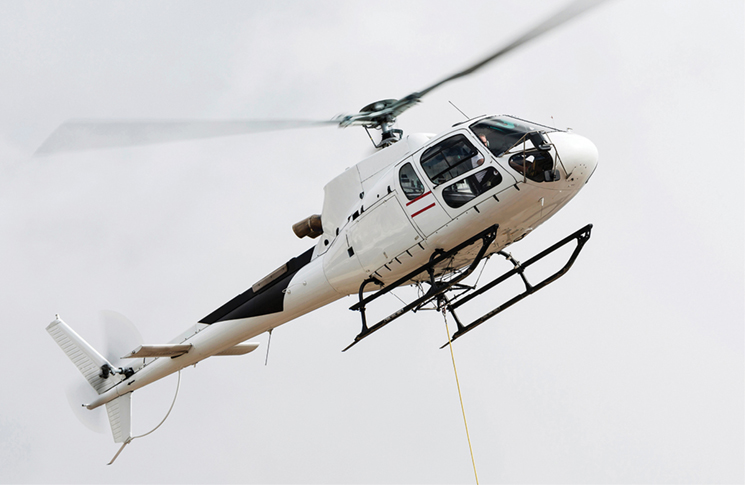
266	360
461	112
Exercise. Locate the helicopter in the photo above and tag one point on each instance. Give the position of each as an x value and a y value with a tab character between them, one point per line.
423	210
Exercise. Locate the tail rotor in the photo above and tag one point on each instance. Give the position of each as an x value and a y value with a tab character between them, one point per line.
121	337
100	371
78	393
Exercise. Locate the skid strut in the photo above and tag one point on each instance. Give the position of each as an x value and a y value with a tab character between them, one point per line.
581	236
436	288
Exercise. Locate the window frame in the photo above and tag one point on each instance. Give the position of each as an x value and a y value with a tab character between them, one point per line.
418	180
449	200
451	142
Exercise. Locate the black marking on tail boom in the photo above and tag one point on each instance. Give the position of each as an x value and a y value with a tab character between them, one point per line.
269	298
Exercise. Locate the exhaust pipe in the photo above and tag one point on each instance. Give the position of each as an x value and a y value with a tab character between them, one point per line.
310	226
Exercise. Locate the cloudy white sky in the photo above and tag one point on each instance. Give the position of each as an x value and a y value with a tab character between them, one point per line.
627	370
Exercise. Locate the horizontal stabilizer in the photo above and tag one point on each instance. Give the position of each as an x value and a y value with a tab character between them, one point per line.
240	349
158	350
175	350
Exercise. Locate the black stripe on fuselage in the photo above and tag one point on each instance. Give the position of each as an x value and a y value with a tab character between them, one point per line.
269	299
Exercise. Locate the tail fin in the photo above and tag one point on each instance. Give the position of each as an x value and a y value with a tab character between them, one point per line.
92	364
88	361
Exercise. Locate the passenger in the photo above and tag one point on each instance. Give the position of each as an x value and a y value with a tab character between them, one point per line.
478	159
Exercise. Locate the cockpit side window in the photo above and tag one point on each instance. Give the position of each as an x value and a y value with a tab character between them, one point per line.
537	165
410	183
449	159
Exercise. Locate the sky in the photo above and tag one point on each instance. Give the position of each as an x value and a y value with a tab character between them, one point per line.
629	369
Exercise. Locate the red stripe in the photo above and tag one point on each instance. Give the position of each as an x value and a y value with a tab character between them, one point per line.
421	196
419	212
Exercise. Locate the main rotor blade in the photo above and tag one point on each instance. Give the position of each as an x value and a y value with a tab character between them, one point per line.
567	13
91	134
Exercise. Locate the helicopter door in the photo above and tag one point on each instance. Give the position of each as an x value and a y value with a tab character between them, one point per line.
380	233
460	172
420	204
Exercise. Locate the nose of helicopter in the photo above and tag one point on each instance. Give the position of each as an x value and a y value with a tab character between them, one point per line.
578	155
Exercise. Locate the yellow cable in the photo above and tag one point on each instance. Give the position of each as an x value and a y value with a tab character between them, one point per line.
463	409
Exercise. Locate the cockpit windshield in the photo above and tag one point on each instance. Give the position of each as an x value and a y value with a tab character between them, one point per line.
500	133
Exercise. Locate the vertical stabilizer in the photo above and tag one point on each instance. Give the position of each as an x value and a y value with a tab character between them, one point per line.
88	361
120	417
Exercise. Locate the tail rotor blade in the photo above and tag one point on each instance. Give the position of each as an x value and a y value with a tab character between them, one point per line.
77	395
122	337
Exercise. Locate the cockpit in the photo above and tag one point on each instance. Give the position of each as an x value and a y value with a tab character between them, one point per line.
501	134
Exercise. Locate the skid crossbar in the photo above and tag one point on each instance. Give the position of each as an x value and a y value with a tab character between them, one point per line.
436	288
581	236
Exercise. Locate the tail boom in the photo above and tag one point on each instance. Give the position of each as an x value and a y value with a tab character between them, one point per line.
307	291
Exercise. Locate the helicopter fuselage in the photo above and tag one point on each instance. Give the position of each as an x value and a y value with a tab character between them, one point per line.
388	214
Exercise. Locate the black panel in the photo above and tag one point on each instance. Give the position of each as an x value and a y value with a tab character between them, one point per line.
269	299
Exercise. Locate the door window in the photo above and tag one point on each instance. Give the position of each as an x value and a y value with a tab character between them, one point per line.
469	188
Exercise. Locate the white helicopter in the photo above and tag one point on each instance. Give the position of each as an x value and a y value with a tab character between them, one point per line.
422	210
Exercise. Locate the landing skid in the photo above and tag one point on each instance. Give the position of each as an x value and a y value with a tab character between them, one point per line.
439	288
581	236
